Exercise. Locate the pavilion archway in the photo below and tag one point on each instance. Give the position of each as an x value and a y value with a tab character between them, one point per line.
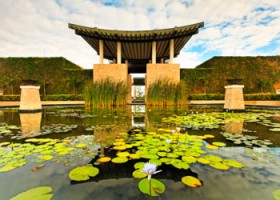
151	52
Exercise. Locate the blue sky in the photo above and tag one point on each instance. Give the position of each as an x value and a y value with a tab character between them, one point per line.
232	28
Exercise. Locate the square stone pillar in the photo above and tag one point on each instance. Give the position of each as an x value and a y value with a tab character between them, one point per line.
234	100
162	71
129	85
115	72
30	101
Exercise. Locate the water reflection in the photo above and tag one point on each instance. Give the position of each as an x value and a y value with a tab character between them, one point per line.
30	123
234	126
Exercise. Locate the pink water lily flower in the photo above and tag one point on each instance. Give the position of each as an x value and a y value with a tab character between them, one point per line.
150	169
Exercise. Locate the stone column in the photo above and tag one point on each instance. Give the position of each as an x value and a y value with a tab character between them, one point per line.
30	99
154	52
119	53
101	51
171	51
234	100
129	85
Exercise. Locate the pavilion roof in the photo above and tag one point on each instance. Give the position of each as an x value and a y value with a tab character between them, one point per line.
137	45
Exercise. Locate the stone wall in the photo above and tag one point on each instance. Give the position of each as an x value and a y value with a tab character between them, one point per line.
115	72
162	70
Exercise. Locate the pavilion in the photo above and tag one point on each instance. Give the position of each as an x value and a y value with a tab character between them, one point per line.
150	51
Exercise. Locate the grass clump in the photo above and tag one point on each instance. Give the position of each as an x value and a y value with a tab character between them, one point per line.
105	93
164	92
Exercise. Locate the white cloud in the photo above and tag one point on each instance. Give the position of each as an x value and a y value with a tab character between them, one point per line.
40	28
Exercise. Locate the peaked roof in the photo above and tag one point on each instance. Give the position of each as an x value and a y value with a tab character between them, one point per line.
137	45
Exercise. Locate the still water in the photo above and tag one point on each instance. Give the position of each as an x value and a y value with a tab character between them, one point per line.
98	129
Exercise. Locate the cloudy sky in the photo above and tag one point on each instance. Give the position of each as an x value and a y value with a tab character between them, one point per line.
232	27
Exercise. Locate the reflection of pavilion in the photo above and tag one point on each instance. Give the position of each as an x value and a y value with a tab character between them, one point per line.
30	123
234	126
151	52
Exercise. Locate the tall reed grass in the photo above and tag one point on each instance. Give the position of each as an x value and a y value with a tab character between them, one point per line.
105	93
164	92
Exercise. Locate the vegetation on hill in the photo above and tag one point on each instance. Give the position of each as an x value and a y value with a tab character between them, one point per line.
55	75
260	74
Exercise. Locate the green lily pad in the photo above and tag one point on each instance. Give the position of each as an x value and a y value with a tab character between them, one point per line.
275	129
276	194
157	162
139	174
123	154
7	167
203	161
139	165
191	181
233	163
156	188
46	157
119	160
42	193
189	159
219	144
134	156
83	173
220	166
104	159
213	158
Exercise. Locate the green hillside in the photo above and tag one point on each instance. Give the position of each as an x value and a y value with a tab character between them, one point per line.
56	75
260	74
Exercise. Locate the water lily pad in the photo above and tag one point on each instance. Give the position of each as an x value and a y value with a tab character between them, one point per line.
81	145
213	158
103	159
46	157
189	159
156	188
275	129
220	166
134	156
120	148
123	154
7	167
42	193
212	147
203	161
139	174
4	144
83	173
276	194
233	163
119	160
219	144
139	165
191	181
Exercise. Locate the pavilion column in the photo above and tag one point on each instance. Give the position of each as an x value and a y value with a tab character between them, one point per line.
101	51
154	52
119	53
171	51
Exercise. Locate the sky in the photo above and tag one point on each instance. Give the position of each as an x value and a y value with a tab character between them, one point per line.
39	28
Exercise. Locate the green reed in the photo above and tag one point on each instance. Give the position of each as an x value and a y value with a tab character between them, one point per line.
105	93
164	92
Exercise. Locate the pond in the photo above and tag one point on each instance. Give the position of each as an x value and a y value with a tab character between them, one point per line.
201	152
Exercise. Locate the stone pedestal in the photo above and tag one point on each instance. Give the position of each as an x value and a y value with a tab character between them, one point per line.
234	100
30	101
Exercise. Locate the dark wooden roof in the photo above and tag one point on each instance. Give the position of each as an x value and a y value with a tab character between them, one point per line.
137	45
